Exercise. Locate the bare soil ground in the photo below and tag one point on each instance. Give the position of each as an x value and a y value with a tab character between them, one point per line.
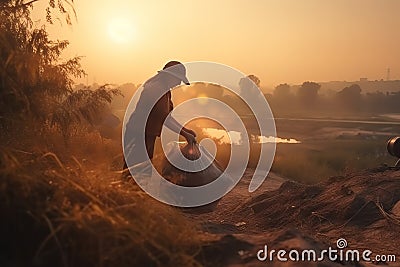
362	208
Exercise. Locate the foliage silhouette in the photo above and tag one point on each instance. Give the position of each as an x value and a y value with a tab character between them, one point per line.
35	85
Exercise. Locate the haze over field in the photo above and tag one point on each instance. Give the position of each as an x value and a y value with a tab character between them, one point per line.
279	41
311	160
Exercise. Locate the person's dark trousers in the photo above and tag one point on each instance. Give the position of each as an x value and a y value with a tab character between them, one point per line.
135	152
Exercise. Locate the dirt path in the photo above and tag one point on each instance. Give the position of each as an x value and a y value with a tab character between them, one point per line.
226	218
235	237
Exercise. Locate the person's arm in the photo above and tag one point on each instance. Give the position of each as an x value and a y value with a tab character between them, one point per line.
176	127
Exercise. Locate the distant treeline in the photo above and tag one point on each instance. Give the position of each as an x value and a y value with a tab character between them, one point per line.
286	100
307	100
367	86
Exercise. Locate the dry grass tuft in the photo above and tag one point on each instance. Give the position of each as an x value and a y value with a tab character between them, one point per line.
58	213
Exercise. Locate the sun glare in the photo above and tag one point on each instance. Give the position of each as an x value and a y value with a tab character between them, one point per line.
121	30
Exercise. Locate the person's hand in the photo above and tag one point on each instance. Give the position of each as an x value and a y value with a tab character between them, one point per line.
190	138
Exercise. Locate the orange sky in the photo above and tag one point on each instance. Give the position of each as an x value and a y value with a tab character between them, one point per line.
279	41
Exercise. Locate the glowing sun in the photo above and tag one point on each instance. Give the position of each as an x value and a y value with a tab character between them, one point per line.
121	30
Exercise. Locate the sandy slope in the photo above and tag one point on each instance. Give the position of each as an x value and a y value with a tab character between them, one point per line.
283	214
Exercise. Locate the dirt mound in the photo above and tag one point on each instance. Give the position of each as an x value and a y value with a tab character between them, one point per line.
362	207
359	200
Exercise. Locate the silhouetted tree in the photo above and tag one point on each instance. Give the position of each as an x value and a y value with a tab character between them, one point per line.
23	8
282	91
255	79
35	84
249	86
282	101
308	93
350	98
376	102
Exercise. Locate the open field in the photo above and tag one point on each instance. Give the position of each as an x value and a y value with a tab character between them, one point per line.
313	149
328	148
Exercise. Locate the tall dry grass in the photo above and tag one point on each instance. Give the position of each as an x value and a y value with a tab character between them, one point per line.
69	208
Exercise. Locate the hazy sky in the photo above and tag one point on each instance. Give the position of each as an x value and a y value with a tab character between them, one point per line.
279	41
